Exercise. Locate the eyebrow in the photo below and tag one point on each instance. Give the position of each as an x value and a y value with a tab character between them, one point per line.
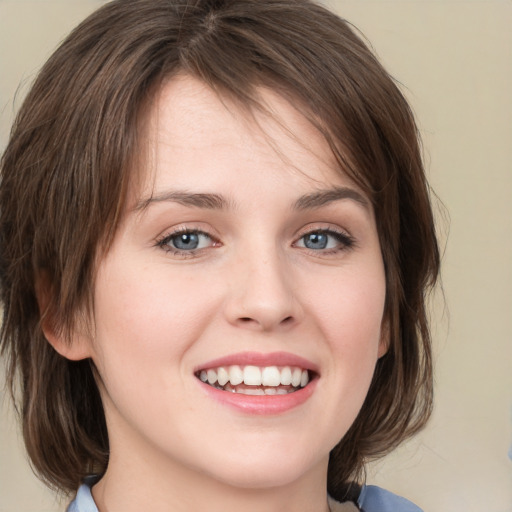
209	201
323	197
203	201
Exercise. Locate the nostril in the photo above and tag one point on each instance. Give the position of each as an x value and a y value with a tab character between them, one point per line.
246	320
265	322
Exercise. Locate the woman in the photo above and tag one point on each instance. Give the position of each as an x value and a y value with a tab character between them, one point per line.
216	240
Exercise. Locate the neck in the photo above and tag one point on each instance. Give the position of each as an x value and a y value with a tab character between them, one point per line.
143	483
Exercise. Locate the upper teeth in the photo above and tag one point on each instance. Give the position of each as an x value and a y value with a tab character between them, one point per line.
256	376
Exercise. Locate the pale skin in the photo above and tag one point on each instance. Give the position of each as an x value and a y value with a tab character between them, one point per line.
287	261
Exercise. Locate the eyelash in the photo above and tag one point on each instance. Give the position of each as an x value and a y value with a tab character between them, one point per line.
346	242
165	241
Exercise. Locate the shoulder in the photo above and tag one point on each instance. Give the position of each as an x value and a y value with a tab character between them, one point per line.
371	499
375	499
83	501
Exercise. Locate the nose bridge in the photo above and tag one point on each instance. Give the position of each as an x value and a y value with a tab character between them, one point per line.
261	291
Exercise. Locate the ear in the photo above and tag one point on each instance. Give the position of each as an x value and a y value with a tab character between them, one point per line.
76	346
384	337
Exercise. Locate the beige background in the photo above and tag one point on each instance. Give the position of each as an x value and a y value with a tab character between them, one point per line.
455	59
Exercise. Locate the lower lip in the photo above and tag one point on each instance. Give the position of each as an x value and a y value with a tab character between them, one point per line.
261	404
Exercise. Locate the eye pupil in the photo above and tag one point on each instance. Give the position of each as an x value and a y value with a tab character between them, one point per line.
186	241
316	241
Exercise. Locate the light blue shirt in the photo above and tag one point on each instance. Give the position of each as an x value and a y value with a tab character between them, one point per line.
371	499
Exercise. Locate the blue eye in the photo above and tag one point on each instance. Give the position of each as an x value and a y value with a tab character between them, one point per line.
316	240
186	241
325	240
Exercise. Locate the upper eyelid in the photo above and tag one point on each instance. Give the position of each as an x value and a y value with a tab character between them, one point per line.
343	236
168	235
174	231
325	228
164	243
303	231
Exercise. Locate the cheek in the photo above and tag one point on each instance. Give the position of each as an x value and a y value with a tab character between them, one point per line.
138	299
144	327
350	317
351	312
146	318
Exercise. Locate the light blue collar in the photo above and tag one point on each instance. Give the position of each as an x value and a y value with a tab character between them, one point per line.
371	499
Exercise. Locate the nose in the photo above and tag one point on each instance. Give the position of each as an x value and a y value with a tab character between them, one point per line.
262	295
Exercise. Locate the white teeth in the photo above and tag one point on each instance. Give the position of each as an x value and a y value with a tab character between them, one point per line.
236	375
286	376
222	376
304	378
212	376
271	376
252	376
254	391
296	377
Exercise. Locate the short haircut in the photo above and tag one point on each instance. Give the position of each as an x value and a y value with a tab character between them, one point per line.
65	175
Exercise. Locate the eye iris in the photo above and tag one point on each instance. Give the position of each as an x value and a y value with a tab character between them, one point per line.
186	241
316	241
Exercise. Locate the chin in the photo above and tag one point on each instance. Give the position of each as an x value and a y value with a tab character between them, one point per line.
270	469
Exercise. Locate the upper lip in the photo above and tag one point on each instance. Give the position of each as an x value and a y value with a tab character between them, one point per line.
261	360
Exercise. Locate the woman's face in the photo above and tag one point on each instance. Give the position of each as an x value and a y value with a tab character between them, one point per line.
249	261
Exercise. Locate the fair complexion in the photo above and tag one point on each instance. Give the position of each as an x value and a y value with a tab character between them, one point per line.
245	247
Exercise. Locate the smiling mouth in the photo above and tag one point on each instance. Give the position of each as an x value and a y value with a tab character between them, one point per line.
255	380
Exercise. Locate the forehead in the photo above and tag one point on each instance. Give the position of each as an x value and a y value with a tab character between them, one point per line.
192	131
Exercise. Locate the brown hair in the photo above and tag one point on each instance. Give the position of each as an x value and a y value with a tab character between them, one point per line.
65	175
